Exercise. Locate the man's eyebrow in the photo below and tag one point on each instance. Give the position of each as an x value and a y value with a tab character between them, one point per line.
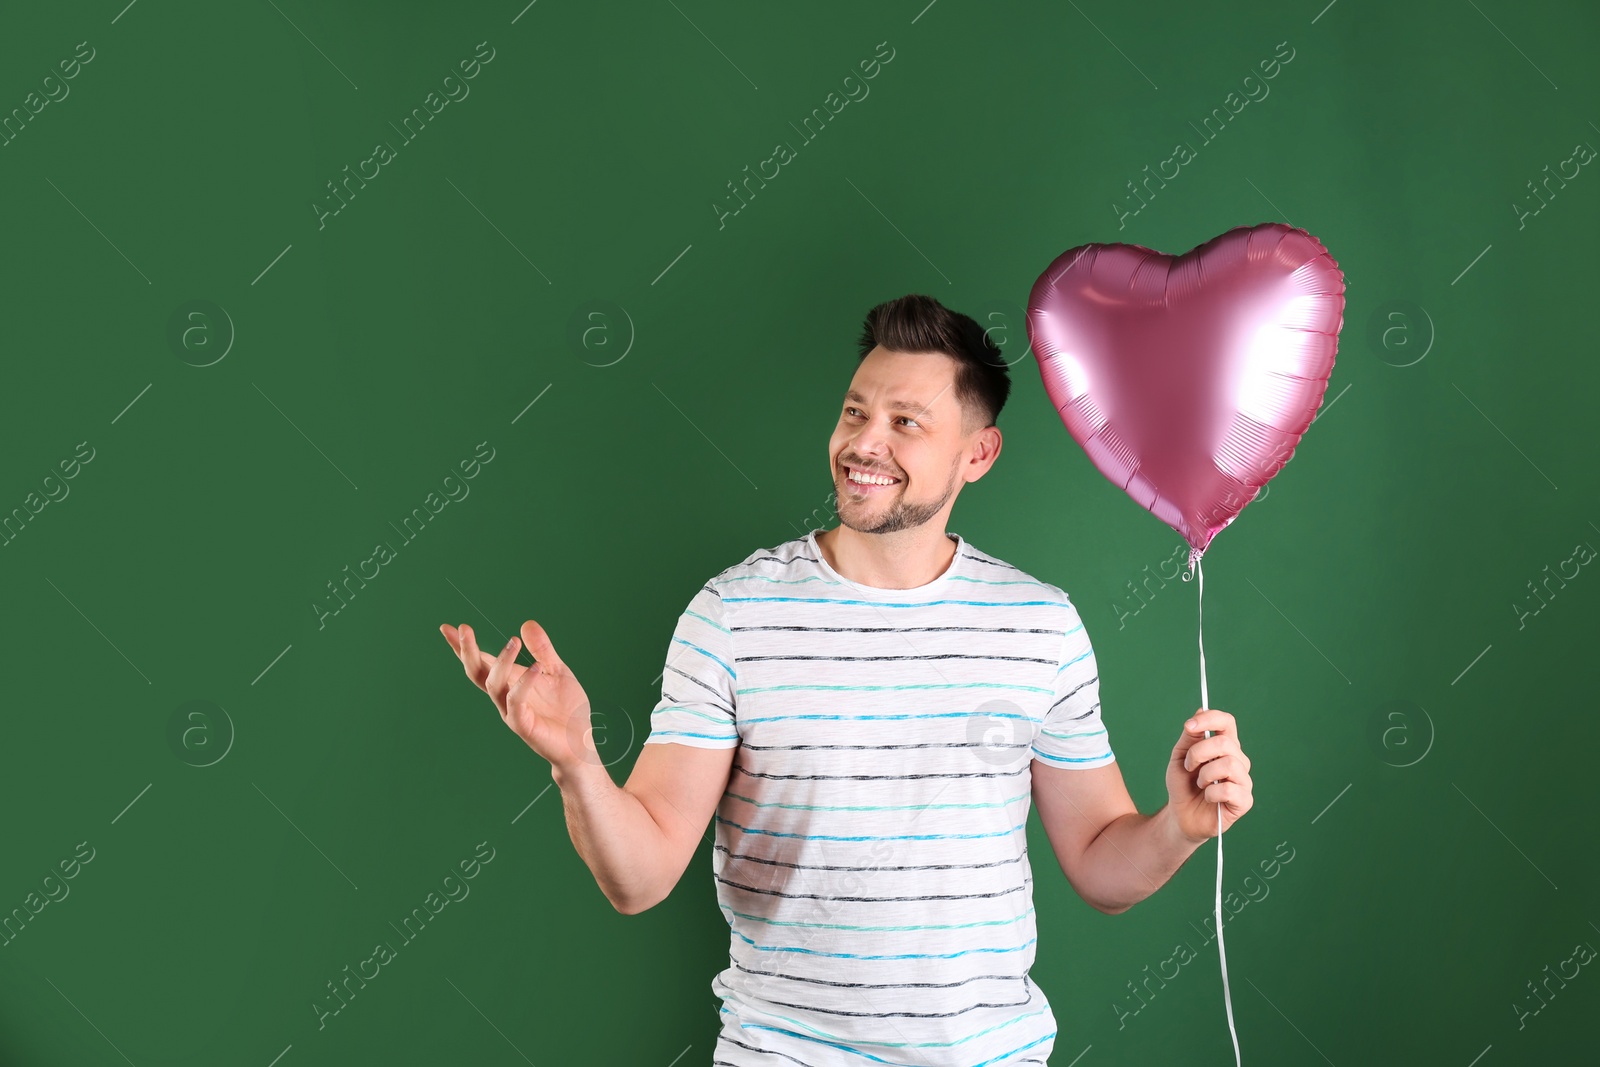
923	412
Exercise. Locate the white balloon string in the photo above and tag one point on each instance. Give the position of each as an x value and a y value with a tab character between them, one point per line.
1205	702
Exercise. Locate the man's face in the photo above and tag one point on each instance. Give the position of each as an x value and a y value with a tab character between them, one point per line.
901	419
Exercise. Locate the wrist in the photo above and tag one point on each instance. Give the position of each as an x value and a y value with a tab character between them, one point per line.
571	754
1174	833
577	771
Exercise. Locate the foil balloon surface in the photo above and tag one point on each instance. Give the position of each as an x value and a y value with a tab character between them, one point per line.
1189	380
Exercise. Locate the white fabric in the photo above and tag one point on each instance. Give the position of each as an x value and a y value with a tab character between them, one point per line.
870	851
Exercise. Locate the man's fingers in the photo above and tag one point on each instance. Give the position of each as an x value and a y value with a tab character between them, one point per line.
1210	749
1230	793
499	675
539	646
477	663
472	661
1228	768
1218	722
525	682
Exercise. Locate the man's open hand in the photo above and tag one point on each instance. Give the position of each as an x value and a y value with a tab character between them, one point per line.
543	704
1208	771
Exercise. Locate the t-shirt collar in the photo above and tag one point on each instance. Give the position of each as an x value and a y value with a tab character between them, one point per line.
957	564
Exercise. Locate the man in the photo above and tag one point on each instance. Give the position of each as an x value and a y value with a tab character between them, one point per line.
868	712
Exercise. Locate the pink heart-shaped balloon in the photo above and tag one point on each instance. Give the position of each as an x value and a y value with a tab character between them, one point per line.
1190	379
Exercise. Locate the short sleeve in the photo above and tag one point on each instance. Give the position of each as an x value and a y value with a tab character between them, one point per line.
699	688
1072	734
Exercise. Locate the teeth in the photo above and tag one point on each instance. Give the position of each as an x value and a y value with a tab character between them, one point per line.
870	479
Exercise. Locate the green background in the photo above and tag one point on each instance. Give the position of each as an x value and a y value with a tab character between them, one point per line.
1441	858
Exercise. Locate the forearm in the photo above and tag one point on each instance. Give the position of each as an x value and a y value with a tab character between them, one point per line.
1132	858
614	834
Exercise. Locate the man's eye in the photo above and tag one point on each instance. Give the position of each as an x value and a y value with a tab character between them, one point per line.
909	419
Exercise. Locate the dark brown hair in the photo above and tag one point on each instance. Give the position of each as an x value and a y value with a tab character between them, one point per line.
918	323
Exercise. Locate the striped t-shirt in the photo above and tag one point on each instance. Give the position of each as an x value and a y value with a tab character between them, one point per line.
871	856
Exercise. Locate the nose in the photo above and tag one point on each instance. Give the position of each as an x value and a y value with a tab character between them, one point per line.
869	440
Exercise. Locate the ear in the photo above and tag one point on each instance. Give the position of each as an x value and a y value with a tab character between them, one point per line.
985	450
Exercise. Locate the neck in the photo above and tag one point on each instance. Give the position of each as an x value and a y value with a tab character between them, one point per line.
904	559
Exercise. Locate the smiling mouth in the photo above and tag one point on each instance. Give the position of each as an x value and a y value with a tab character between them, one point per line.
874	482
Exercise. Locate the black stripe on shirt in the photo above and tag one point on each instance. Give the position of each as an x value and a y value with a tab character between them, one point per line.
870	866
906	629
879	659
